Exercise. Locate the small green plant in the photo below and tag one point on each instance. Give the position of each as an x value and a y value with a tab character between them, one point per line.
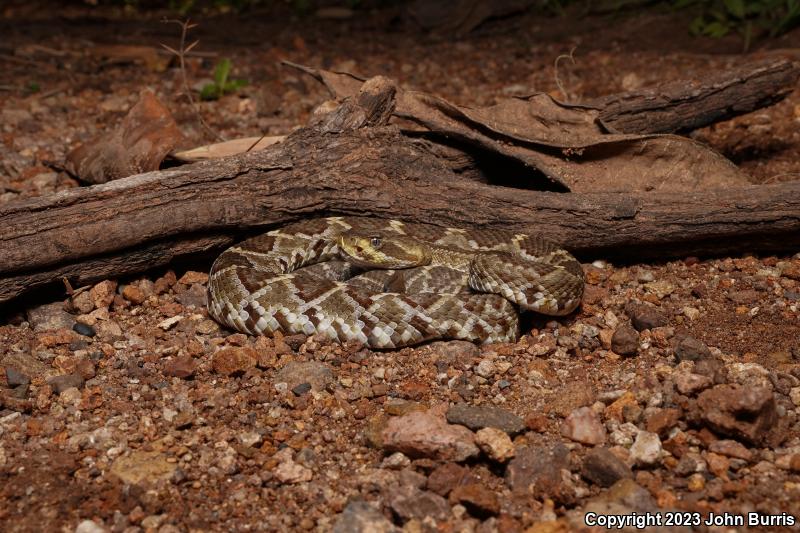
32	87
748	18
221	85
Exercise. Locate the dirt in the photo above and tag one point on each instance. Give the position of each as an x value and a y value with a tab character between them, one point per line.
162	421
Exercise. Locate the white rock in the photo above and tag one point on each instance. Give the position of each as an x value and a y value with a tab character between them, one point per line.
485	368
167	323
87	526
396	461
495	443
794	394
646	449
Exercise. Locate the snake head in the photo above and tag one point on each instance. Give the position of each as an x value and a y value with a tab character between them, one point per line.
381	250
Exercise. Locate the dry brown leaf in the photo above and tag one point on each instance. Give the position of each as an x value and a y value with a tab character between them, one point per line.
563	142
459	17
123	53
227	148
146	135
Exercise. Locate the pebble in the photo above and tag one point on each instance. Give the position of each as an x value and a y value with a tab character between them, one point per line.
661	289
422	434
250	438
164	283
744	297
690	463
133	294
444	478
83	302
234	360
50	317
696	482
182	367
88	526
301	389
718	464
794	395
692	313
479	500
603	468
485	368
661	421
70	396
629	493
84	329
536	471
195	296
192	276
690	384
103	293
361	517
410	502
290	472
645	317
296	373
691	349
731	448
749	375
455	350
482	416
646	449
143	468
61	383
744	413
584	426
575	393
396	461
15	378
153	521
625	341
167	323
495	443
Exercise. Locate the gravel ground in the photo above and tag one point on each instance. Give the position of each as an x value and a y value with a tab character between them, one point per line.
675	387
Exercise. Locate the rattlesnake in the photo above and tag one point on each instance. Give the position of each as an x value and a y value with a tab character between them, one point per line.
308	277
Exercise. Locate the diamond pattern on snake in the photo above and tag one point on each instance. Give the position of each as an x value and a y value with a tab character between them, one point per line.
389	284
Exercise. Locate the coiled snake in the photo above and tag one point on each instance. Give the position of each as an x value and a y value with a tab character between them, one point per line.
312	277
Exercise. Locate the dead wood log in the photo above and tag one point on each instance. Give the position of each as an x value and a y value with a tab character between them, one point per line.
348	163
687	105
552	145
143	221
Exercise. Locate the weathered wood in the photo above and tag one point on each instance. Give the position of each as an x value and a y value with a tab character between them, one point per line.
690	104
143	221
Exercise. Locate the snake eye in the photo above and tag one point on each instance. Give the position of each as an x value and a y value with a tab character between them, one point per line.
375	242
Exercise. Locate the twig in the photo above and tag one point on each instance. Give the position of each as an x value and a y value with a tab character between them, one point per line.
25	61
255	143
190	54
555	67
68	286
180	53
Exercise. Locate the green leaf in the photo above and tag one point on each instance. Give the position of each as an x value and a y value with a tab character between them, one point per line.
737	8
210	91
697	25
221	71
716	30
234	85
718	15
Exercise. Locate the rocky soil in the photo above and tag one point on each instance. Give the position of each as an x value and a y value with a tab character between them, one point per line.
123	407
